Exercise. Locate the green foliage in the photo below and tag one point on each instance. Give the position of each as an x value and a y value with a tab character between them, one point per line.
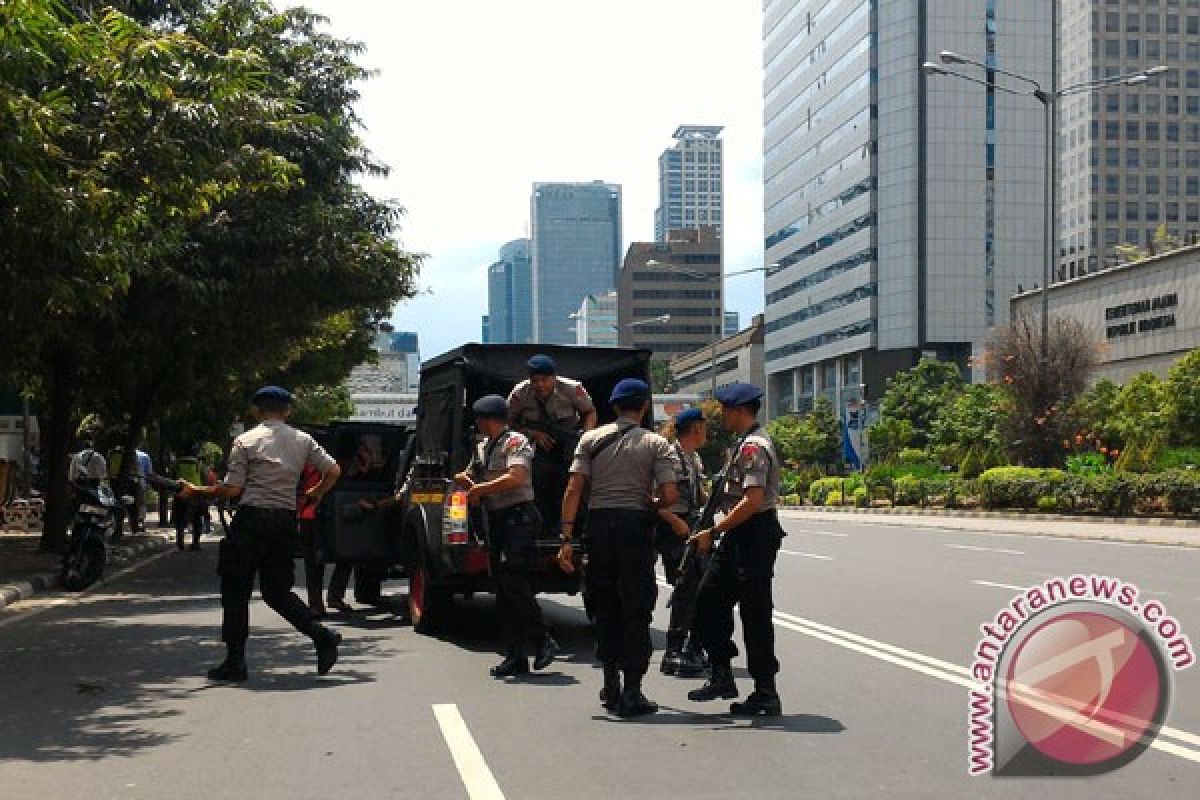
910	490
1183	392
862	497
814	438
916	397
797	481
1047	503
1142	412
1177	458
972	421
819	491
888	436
719	440
1098	412
1018	487
1087	464
317	405
1139	456
661	379
834	498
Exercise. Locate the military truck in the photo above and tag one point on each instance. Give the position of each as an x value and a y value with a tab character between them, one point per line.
437	540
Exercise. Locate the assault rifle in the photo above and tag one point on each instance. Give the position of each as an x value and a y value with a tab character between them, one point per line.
703	522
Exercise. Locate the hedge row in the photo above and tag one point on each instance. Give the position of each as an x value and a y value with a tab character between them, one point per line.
1177	491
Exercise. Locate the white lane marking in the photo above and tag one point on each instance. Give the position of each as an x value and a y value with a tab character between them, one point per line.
942	670
978	549
17	614
806	555
474	771
835	534
1011	587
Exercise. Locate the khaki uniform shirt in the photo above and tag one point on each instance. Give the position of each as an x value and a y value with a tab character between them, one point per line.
88	465
755	463
266	462
625	474
689	479
566	405
511	449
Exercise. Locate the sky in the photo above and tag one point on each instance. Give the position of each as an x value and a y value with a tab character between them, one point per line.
475	100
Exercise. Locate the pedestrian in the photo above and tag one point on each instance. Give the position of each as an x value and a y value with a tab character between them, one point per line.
186	512
141	480
552	411
683	656
742	565
87	466
499	478
264	469
623	464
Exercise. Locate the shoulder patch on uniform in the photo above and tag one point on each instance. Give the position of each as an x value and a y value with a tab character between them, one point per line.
580	392
513	444
748	452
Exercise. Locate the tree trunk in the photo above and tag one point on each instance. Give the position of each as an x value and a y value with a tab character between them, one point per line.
56	456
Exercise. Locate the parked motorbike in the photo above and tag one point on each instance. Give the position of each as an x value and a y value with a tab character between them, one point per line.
87	549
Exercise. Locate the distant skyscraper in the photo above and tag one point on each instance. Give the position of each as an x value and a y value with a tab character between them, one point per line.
596	320
902	209
576	249
510	294
733	322
690	182
485	330
1129	156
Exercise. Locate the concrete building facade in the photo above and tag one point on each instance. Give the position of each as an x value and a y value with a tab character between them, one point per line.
596	320
576	248
1142	316
691	186
1129	156
732	359
674	305
901	209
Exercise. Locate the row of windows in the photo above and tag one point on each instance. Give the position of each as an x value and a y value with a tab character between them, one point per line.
669	277
1150	211
1132	131
804	65
1112	236
820	276
823	307
667	330
855	91
854	129
815	17
646	312
1153	184
1151	104
1149	23
828	207
856	156
675	294
829	337
1155	158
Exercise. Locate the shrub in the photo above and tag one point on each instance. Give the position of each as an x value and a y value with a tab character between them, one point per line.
910	490
1177	458
861	498
834	498
912	456
1087	464
1018	487
819	490
1180	489
1047	503
1113	493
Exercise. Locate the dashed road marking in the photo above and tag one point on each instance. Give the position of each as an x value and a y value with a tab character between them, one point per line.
476	775
977	549
817	556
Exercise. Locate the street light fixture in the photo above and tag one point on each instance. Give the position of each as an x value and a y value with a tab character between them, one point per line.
1049	100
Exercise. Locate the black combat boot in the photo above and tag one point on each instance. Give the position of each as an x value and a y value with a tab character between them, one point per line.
670	661
762	702
547	650
326	642
233	668
719	685
514	663
690	663
610	695
633	703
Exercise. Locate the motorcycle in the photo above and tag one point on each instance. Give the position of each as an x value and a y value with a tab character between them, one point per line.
87	550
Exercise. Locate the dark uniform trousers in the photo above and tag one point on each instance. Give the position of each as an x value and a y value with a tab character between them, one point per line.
514	533
683	598
260	541
740	572
620	581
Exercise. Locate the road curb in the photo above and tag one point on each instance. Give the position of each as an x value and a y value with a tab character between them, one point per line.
119	555
1154	522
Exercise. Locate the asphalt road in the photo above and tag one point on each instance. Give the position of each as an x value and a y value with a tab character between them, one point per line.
104	697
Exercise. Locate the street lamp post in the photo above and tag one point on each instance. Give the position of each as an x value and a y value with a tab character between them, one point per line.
1049	100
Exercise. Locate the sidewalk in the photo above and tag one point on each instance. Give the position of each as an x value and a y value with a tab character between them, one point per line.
24	571
1182	533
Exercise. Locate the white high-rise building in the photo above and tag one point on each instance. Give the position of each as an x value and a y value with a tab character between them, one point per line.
903	210
691	187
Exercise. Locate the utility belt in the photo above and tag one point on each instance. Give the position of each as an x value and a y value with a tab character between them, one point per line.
764	523
519	513
260	513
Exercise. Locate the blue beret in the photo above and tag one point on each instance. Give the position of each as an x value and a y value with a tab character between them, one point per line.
629	388
738	394
688	416
275	394
492	405
542	365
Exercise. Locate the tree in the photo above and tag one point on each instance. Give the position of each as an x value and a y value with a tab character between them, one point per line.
1143	414
1097	411
814	438
972	421
716	448
1043	391
661	379
911	404
318	405
1183	395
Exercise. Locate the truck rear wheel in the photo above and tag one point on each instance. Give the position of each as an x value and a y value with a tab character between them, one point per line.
428	604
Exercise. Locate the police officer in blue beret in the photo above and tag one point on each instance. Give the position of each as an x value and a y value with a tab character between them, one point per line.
684	656
632	473
264	469
500	477
742	564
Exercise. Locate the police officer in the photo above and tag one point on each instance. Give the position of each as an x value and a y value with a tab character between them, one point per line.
499	477
742	565
683	656
624	463
264	470
551	411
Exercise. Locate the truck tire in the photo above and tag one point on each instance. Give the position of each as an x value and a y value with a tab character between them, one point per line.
428	604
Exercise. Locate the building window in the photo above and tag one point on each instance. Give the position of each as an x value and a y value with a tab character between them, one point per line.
1112	131
1132	157
1152	158
1112	210
1112	22
1152	23
1112	184
1152	184
1173	104
1133	49
1133	184
1193	186
1132	235
1112	48
1133	130
1132	102
1193	159
1172	23
1172	212
1151	131
1151	212
1112	156
1131	212
1193	212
